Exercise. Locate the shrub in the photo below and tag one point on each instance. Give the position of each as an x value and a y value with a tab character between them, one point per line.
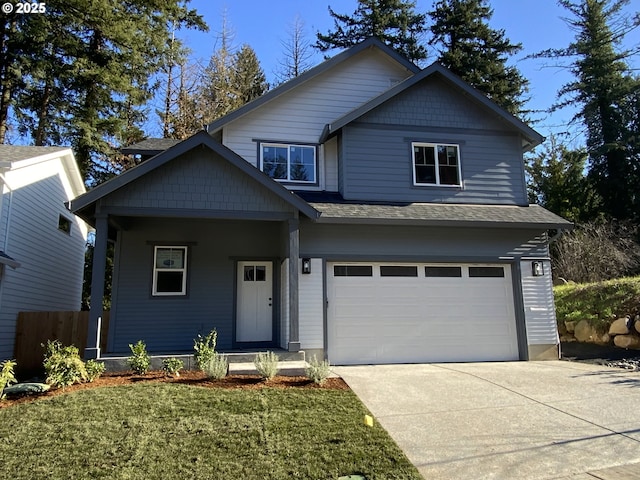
7	376
267	364
63	365
94	369
139	361
205	349
172	366
217	367
318	371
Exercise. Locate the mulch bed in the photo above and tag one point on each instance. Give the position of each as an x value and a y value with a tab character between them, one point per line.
189	377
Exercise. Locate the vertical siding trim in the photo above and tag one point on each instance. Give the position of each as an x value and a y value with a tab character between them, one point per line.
518	301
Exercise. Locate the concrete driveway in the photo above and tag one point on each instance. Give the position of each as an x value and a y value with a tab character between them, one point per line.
514	420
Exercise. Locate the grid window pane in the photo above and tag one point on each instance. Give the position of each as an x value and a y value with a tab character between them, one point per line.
443	271
169	282
481	272
398	271
352	271
274	162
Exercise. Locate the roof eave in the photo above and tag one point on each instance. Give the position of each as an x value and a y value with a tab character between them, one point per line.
541	226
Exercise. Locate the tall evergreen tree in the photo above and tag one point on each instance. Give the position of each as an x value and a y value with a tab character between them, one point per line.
248	76
87	72
605	94
394	22
471	49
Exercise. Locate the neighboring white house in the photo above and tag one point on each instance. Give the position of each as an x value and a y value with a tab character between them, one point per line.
42	244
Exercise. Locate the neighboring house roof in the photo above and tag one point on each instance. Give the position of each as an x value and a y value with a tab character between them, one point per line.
84	206
150	146
442	215
308	75
532	137
20	156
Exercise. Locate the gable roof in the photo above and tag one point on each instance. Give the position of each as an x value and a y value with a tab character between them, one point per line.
150	146
85	205
310	74
18	156
532	137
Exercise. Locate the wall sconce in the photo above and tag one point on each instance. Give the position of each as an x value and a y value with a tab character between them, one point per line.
306	265
537	268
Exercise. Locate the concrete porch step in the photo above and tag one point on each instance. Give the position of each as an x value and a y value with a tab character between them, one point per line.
239	361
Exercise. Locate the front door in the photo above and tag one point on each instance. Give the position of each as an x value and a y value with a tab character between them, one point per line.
254	319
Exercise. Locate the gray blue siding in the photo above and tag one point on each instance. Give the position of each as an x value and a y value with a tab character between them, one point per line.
376	156
199	180
169	324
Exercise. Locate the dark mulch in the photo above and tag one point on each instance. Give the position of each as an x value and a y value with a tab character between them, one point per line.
588	351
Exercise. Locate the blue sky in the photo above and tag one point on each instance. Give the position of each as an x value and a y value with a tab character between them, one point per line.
264	25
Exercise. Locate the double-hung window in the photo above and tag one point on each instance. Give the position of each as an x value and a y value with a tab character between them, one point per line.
289	163
436	164
169	271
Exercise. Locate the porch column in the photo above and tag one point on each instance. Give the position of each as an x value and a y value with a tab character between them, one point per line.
294	254
97	287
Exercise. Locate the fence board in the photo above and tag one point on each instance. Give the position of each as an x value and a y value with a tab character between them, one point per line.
35	328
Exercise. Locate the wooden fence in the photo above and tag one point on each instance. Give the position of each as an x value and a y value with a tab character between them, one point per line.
35	328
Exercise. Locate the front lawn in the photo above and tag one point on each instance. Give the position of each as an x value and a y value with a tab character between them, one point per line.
172	431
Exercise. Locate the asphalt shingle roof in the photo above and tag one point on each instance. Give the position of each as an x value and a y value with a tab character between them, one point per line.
16	153
499	216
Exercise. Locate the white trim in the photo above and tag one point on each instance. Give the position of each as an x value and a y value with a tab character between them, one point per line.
288	180
435	146
157	270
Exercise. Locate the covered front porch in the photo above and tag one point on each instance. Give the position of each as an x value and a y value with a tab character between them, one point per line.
202	240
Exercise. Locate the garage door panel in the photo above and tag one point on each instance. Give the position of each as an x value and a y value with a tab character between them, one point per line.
421	319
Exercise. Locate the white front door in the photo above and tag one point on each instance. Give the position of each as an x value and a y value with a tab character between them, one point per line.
254	318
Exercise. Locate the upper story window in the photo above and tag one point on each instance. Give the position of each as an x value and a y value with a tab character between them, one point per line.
436	164
289	163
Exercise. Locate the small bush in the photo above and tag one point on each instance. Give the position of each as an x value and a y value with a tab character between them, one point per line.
139	361
94	369
172	366
7	377
267	364
217	367
205	349
318	371
63	365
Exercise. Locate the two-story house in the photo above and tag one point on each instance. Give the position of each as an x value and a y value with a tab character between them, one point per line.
366	211
42	244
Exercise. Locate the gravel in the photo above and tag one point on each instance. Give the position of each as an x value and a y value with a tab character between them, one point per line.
602	355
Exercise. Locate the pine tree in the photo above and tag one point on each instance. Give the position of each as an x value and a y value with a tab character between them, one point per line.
248	76
86	73
605	93
471	49
394	22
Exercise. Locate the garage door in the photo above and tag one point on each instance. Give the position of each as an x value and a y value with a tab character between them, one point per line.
412	313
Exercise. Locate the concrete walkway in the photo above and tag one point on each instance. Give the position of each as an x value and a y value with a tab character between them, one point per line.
513	420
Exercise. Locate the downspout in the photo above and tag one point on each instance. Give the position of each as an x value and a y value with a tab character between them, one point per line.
556	236
8	222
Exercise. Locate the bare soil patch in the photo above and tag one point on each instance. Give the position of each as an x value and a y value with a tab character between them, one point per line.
189	377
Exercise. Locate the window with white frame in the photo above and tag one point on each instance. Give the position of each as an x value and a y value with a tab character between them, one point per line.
289	163
169	271
436	164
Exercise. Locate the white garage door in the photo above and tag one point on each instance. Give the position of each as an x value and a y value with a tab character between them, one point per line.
412	313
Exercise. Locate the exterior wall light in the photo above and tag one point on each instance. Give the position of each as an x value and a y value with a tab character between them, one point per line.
306	265
537	268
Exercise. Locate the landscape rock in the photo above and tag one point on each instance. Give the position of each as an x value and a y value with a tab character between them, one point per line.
570	326
584	332
637	324
627	341
603	339
619	327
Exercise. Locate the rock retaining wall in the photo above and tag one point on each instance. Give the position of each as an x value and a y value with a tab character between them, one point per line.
623	332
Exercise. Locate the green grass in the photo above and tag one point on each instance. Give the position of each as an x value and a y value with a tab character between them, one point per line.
597	302
169	431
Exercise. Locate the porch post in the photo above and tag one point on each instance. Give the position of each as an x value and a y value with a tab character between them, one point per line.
294	254
97	287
